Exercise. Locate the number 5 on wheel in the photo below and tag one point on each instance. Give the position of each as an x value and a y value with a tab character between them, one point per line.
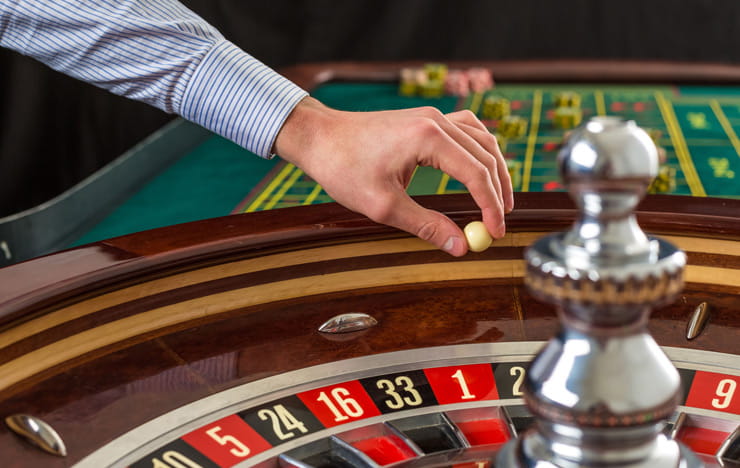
227	441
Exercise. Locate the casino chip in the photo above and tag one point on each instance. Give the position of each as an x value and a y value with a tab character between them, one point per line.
436	71
407	84
431	81
567	99
457	83
435	80
512	126
481	79
432	89
665	182
567	117
495	107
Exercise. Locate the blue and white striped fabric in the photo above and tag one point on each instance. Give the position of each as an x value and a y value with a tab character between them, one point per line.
159	52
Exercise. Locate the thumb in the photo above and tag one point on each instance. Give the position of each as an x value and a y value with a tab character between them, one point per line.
429	225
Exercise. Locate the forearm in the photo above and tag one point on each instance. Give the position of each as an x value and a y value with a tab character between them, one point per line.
157	52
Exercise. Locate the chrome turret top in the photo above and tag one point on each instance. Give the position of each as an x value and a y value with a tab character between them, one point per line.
605	263
601	389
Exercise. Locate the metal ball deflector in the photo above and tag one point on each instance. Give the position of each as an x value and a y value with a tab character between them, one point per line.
601	389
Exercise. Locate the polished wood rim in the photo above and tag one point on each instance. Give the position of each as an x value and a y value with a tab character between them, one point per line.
272	267
148	322
47	283
709	256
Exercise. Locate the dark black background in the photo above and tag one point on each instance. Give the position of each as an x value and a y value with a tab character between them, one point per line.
55	131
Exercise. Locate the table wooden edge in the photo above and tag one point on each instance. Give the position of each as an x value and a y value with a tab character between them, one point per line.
311	75
30	287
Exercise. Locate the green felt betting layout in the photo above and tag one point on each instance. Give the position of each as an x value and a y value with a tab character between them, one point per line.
697	126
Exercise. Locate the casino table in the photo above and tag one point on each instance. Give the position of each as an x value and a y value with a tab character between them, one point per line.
211	343
183	173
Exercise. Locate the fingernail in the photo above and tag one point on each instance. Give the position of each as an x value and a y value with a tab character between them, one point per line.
450	245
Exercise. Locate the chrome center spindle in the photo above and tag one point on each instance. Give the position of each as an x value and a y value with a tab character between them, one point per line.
601	389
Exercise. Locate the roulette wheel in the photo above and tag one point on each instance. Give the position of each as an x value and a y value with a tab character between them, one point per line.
311	337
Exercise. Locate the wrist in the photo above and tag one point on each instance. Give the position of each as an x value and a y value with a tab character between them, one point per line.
304	128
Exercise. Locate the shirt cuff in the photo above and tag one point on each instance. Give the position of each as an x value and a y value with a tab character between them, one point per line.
238	97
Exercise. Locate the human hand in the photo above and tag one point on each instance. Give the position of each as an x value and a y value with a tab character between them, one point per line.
365	160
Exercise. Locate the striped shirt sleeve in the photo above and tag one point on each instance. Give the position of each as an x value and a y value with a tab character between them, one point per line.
158	52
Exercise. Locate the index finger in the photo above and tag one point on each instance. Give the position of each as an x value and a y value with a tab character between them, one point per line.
455	160
468	122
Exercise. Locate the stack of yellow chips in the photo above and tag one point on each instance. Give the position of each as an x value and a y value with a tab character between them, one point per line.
512	126
568	113
495	108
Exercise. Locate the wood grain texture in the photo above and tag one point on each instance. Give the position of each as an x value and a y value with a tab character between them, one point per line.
49	282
